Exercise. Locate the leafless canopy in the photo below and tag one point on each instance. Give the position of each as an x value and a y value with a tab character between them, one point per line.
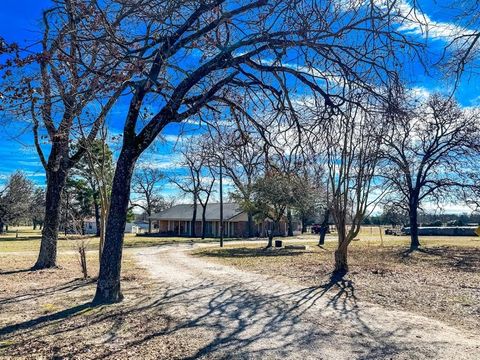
260	50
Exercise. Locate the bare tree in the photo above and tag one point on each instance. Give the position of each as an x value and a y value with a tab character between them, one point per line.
240	153
352	142
199	163
429	152
70	82
462	52
241	47
145	182
206	191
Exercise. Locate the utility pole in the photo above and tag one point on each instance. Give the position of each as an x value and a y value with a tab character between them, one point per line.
221	204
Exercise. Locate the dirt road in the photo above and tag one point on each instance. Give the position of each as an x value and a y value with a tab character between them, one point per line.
244	315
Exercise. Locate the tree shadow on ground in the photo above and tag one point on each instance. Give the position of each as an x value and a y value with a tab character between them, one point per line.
18	271
30	324
232	318
69	286
463	259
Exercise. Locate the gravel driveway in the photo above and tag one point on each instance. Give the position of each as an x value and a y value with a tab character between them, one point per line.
244	315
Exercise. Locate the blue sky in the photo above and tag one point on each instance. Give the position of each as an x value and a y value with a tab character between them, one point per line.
19	20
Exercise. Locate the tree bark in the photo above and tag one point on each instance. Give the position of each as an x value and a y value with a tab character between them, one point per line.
324	228
290	223
149	224
273	227
413	215
270	240
323	233
341	263
108	285
193	231
304	226
103	219
1	227
96	206
341	254
47	258
250	224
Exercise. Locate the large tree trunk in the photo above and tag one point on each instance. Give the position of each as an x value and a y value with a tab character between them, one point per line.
250	224
149	224
108	286
47	258
290	223
413	214
1	227
324	228
341	263
270	239
273	227
304	225
341	254
323	233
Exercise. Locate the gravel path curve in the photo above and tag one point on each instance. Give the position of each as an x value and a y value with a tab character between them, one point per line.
241	315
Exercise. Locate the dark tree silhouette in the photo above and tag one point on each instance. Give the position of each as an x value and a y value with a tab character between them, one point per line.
52	84
429	151
263	48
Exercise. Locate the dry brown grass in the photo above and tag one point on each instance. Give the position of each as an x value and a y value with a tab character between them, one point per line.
28	240
441	282
47	314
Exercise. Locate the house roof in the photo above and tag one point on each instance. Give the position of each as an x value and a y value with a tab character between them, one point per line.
185	212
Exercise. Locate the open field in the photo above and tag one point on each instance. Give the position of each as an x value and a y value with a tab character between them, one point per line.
179	306
28	240
48	315
45	314
441	282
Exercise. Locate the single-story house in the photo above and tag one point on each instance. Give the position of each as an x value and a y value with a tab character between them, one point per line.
177	221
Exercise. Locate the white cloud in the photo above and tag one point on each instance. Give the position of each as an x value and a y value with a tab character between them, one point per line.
448	208
418	23
160	161
420	92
